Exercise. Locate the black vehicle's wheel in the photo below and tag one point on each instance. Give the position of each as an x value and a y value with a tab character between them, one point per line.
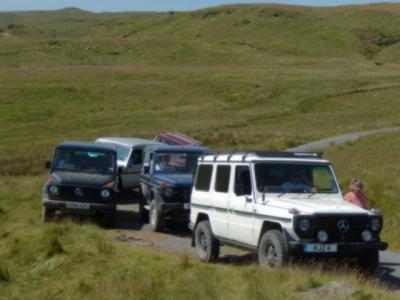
369	261
47	214
272	250
207	246
107	219
157	220
143	213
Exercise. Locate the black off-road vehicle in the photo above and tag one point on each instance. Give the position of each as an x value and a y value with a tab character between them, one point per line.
82	180
166	183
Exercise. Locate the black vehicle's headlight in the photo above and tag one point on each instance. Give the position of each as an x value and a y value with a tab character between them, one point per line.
376	224
322	236
105	193
54	190
304	225
366	235
168	192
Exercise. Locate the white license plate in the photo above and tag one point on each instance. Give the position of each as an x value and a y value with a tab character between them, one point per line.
186	205
78	205
320	248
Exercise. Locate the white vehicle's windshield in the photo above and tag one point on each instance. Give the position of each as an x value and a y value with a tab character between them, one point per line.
83	161
167	163
294	178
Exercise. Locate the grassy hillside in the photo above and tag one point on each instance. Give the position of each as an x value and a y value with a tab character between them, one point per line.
235	77
265	68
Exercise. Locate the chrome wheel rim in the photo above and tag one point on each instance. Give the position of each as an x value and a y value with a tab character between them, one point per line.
153	218
203	241
271	255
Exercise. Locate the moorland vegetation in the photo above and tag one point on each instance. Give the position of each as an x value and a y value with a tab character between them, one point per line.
235	77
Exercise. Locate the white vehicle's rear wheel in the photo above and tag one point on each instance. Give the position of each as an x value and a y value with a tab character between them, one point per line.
272	250
207	246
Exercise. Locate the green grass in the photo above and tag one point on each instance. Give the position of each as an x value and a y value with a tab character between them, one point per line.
373	160
236	77
71	261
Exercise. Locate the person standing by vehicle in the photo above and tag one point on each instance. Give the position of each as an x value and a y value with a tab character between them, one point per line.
356	195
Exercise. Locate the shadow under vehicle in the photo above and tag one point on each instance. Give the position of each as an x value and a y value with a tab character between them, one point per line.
83	180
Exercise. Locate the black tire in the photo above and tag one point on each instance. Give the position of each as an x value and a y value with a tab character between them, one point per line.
272	250
369	261
47	214
156	218
207	246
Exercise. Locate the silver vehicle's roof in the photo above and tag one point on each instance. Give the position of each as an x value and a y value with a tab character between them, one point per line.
266	157
127	141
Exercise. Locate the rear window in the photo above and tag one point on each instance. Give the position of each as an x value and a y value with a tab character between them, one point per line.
204	178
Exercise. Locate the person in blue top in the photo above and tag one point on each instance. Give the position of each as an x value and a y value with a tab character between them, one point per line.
297	182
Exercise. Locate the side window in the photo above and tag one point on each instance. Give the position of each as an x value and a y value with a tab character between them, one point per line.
242	181
222	179
203	180
136	157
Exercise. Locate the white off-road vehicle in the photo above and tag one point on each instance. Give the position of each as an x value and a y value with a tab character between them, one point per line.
279	205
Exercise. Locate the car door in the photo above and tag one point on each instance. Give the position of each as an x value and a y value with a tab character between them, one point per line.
130	176
220	200
241	206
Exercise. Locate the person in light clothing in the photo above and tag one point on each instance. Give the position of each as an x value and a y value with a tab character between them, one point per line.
356	195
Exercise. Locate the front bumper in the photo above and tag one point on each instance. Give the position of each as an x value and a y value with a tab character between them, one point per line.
343	249
92	208
175	209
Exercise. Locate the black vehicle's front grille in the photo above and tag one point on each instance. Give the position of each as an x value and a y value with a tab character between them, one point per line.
180	195
84	194
340	228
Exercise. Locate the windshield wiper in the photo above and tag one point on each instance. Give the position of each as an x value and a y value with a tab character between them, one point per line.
280	195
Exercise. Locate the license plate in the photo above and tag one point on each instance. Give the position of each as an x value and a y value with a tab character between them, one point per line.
186	206
78	205
320	248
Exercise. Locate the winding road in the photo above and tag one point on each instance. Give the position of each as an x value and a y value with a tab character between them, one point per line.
129	229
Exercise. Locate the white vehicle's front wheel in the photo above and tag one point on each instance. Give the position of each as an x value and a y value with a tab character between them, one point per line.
207	246
272	250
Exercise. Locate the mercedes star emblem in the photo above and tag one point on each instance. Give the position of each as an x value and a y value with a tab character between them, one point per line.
78	192
343	226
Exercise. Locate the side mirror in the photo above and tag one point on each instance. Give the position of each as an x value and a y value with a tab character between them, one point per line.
48	164
248	199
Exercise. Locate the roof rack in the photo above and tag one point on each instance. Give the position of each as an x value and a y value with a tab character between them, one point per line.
270	154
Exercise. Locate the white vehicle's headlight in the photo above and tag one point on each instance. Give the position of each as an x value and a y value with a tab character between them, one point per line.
168	192
53	190
105	193
366	235
304	225
322	236
376	224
